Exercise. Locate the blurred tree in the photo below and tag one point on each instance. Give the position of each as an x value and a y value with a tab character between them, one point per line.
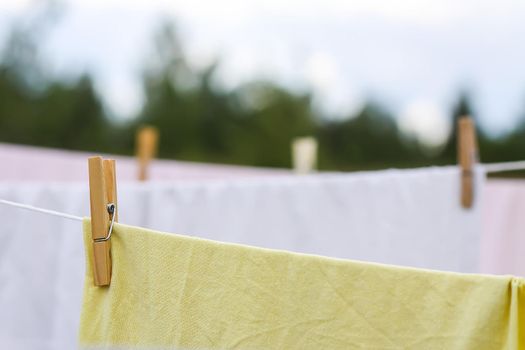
369	139
74	116
20	56
190	115
513	146
38	110
252	125
271	118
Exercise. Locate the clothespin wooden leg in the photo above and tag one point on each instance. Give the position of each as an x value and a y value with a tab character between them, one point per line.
467	158
110	179
146	149
103	191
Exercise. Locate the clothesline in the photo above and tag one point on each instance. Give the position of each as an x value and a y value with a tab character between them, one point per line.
40	210
489	168
505	166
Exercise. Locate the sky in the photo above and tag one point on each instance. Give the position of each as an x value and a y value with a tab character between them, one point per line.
413	56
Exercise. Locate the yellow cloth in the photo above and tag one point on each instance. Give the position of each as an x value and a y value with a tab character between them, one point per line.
175	292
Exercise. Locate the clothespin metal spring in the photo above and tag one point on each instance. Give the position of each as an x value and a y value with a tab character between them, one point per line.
111	211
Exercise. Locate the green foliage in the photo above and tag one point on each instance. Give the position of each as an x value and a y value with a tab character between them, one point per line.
62	116
369	139
252	125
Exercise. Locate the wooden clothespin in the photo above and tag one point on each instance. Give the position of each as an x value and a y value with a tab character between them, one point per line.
467	158
103	203
304	153
146	149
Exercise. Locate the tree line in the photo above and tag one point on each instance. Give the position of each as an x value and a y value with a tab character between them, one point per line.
250	125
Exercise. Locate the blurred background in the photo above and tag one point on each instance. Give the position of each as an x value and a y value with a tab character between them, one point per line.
378	83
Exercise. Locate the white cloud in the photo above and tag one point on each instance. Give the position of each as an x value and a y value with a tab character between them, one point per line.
426	122
333	94
393	50
15	6
321	71
123	96
238	11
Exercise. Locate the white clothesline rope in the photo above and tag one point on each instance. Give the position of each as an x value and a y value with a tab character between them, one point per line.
41	210
506	166
489	168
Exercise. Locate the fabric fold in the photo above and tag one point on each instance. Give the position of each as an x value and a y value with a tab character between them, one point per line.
175	292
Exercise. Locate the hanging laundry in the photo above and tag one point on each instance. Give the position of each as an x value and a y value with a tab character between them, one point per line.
55	165
504	227
41	268
176	292
403	217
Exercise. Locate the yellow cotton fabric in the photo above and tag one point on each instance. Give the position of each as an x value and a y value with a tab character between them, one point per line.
176	292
